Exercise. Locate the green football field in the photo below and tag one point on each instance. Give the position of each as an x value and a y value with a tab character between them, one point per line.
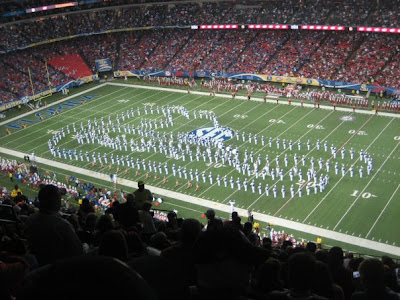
364	207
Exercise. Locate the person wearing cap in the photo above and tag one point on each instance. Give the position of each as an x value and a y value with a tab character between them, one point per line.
212	222
142	195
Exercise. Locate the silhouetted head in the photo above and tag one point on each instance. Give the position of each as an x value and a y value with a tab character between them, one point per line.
49	198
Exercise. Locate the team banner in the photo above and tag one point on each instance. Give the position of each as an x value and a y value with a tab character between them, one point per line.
125	73
103	65
290	80
257	77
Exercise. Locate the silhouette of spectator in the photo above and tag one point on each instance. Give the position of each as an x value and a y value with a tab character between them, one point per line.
113	244
223	259
146	219
180	254
104	224
301	274
212	222
127	213
323	284
341	275
84	209
159	241
311	247
267	279
51	237
372	274
136	247
142	195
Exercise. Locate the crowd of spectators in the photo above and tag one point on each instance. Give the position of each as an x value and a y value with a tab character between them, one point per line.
369	59
295	52
330	56
341	56
312	12
349	13
164	52
384	15
46	248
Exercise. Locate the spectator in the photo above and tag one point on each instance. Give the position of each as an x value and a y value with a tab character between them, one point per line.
267	278
84	209
180	254
372	274
127	213
301	275
323	284
113	244
51	237
142	195
15	191
341	276
146	219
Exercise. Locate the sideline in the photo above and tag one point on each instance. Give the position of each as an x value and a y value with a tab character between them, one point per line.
270	99
51	104
357	241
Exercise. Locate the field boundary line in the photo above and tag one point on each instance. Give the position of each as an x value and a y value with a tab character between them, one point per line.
319	170
74	118
357	241
365	187
383	210
51	104
271	124
340	179
324	139
284	102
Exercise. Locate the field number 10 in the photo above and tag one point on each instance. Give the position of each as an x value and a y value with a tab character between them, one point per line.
364	195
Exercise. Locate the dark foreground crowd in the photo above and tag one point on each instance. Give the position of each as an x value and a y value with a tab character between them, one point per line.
127	254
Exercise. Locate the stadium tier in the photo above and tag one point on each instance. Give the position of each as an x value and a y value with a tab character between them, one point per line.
242	150
346	56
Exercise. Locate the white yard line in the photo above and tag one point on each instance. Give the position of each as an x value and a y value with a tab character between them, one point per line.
271	124
369	182
333	188
360	242
114	112
251	177
383	210
76	117
332	131
52	104
285	102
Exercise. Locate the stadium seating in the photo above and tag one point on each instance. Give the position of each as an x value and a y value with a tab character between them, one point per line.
181	260
323	55
72	65
178	249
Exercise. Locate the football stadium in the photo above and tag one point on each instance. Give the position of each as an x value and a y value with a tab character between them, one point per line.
200	149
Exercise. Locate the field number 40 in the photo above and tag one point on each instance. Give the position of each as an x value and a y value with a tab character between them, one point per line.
364	195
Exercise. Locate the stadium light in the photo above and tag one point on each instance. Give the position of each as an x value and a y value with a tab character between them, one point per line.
267	26
217	26
50	7
322	27
378	29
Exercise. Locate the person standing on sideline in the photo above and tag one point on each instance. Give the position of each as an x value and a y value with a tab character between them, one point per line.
142	195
